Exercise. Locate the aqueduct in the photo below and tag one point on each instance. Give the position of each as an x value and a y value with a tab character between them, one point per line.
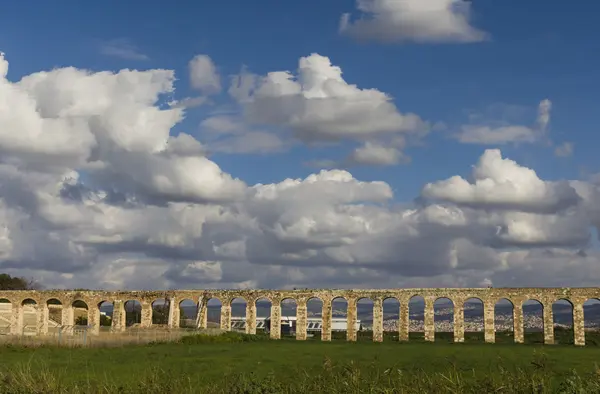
69	299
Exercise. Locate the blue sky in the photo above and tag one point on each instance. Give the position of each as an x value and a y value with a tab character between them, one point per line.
538	49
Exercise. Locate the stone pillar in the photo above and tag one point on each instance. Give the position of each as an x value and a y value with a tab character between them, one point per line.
518	321
44	316
67	319
351	320
146	318
275	329
578	324
202	314
404	320
123	316
429	323
251	316
326	320
459	320
226	315
398	330
16	327
489	327
301	320
118	323
94	319
548	323
378	320
174	313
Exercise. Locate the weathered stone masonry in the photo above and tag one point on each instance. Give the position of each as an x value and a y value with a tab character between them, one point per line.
489	297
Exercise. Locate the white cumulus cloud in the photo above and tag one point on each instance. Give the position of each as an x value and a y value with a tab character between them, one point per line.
204	75
501	183
97	189
318	104
424	21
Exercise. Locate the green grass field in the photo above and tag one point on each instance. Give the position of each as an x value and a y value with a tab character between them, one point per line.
242	364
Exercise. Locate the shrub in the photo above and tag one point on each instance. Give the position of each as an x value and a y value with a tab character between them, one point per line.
226	337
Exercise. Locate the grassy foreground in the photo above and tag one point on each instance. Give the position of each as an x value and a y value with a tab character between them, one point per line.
236	363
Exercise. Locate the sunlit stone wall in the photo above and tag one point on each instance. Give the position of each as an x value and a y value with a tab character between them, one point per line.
88	302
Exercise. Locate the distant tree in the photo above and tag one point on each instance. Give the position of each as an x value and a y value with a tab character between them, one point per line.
83	321
160	314
105	320
133	313
8	282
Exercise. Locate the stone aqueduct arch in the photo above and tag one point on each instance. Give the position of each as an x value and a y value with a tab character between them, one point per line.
489	297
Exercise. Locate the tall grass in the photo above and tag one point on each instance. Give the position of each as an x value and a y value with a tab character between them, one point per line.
537	373
132	336
331	378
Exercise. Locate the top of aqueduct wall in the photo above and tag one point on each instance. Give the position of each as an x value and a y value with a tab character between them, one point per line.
544	295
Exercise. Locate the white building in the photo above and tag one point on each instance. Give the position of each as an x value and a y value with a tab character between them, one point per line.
288	324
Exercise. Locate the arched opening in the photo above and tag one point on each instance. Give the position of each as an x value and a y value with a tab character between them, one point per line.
591	321
238	314
391	319
55	316
133	313
80	313
504	321
288	317
339	318
533	321
443	319
314	318
416	318
188	313
213	313
364	318
30	316
106	314
474	322
562	320
263	314
160	311
5	316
